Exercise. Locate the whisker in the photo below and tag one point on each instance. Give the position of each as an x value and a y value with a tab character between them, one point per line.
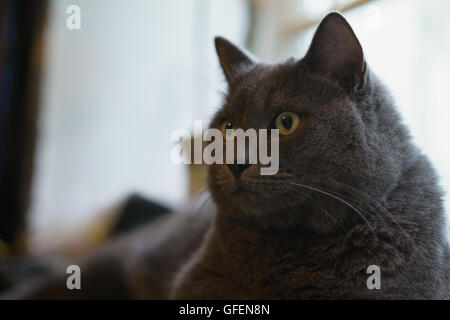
311	201
372	202
340	200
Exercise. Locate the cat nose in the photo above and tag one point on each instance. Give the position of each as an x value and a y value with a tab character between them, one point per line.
237	169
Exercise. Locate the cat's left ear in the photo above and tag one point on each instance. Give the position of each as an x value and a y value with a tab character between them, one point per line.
336	51
234	62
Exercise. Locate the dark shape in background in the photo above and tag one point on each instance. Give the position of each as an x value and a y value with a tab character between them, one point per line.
137	211
21	26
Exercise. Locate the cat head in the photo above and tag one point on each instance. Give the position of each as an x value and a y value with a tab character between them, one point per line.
339	136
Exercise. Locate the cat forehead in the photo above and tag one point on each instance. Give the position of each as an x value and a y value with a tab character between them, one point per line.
267	85
269	74
261	81
289	80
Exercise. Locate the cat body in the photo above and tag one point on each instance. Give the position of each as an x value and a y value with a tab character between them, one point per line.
239	261
352	190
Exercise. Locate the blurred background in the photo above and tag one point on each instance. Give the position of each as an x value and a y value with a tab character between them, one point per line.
87	112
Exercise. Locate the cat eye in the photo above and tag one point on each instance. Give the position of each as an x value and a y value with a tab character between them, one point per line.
287	122
225	128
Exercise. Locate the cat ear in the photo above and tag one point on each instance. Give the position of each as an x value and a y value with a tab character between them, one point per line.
234	62
335	50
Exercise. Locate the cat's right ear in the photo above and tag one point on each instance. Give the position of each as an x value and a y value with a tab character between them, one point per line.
234	62
335	50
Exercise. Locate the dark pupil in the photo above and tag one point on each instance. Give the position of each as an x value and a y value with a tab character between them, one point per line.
286	121
229	125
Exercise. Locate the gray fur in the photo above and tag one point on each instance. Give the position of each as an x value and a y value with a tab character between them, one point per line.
352	190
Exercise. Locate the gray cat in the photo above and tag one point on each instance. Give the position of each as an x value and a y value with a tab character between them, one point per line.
352	192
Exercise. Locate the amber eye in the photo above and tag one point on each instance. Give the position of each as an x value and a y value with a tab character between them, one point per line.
287	122
227	129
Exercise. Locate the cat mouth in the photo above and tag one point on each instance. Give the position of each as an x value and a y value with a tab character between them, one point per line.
241	190
239	181
237	170
235	189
